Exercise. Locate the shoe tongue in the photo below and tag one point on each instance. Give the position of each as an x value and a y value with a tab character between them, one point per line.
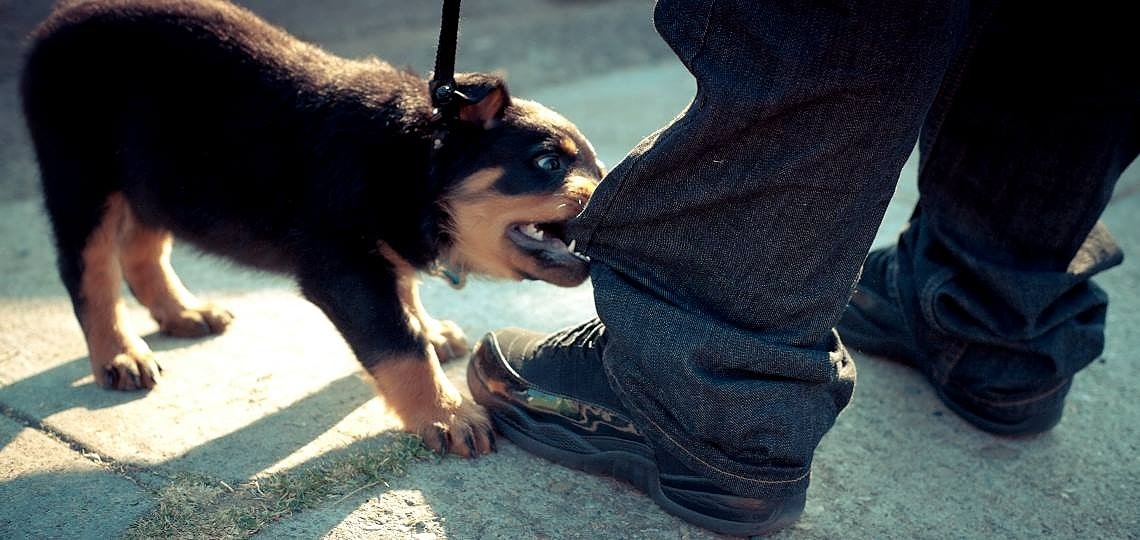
569	362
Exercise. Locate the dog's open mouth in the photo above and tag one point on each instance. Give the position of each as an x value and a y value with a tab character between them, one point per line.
546	243
548	239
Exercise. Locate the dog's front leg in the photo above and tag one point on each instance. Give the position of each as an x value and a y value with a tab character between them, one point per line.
362	297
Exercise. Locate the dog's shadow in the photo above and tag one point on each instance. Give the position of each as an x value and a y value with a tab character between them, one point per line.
40	402
43	392
278	435
82	391
234	457
160	342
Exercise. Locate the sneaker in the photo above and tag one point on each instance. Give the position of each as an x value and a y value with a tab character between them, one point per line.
874	322
550	396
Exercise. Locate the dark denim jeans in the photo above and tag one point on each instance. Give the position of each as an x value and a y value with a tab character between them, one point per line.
726	245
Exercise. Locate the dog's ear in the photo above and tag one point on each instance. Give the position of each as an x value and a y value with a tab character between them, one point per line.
487	99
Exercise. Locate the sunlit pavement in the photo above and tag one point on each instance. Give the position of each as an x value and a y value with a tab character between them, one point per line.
281	389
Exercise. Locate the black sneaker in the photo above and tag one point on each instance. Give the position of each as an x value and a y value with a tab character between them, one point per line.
550	396
874	322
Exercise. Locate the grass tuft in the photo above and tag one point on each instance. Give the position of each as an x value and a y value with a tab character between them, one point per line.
197	506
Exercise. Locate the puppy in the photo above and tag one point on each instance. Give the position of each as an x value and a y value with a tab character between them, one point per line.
196	119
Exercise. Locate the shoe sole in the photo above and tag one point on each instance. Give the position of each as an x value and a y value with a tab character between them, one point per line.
636	469
1028	427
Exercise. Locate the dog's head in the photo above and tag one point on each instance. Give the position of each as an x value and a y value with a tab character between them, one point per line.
521	173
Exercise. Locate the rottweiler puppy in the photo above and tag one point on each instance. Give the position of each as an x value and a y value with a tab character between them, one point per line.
196	119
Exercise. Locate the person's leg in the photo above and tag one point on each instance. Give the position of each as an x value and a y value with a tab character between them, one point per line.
726	245
1020	153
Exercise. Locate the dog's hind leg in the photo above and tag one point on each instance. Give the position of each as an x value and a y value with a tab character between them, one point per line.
445	336
119	359
145	258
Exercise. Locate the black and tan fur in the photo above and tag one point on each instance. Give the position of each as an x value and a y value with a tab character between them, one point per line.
197	120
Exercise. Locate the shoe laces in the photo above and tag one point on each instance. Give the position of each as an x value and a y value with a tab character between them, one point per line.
589	338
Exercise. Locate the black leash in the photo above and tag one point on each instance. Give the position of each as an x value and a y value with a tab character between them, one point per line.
445	98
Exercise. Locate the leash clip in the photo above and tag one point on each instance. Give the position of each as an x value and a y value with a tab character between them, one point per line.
442	85
446	100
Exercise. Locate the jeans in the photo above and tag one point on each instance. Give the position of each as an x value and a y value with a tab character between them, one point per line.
726	245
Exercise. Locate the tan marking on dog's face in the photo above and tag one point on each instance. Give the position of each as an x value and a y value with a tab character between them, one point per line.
580	188
479	183
534	114
568	146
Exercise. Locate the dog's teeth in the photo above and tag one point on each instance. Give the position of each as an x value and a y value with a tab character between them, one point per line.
532	231
571	246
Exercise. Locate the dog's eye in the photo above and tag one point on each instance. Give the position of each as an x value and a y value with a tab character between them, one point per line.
548	162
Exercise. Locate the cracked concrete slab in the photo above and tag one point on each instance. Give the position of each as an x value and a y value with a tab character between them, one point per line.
49	490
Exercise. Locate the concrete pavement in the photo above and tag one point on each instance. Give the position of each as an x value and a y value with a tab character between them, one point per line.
279	393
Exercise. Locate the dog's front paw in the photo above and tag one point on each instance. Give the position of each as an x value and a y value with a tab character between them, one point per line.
416	390
463	430
127	370
448	340
197	322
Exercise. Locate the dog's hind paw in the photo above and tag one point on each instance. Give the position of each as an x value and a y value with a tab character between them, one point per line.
202	321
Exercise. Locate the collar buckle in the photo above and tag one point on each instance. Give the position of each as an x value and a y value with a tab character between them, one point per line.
457	279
